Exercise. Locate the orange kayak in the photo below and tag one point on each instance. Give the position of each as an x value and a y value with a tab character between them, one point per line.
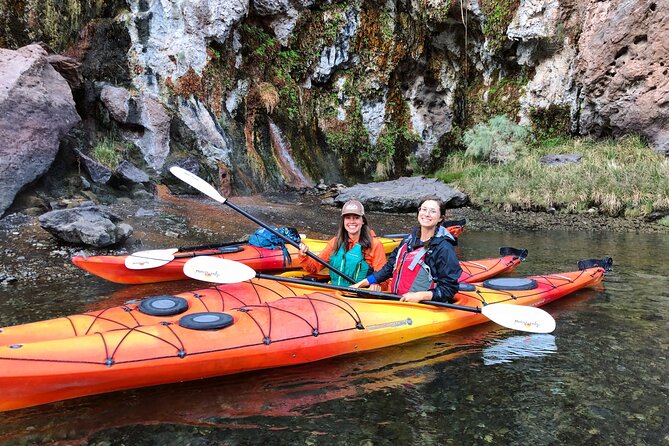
234	328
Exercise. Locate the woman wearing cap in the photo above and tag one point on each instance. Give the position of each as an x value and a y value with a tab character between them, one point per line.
424	266
354	250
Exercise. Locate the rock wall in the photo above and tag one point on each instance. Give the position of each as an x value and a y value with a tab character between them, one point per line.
363	89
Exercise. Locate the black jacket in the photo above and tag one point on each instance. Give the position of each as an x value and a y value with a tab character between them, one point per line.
440	257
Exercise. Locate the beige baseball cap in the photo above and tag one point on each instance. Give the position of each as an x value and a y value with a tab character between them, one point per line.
353	207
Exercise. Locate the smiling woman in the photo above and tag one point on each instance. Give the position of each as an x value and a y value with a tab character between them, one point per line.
424	266
354	250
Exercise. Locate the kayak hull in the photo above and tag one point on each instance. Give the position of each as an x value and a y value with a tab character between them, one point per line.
113	268
121	348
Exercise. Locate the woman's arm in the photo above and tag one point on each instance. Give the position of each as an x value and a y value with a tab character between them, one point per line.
310	264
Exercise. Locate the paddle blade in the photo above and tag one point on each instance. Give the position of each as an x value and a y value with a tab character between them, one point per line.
197	182
150	259
212	269
519	317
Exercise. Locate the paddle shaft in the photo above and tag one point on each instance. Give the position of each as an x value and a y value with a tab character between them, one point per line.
288	240
362	293
209	190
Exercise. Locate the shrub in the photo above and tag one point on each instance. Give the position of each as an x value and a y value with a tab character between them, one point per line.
496	141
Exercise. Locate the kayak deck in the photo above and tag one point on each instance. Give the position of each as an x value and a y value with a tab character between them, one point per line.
273	325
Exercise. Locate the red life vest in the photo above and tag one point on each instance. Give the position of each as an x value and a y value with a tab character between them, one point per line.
410	272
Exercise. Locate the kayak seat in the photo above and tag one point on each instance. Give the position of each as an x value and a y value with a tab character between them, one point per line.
466	287
510	283
320	278
230	249
206	321
163	305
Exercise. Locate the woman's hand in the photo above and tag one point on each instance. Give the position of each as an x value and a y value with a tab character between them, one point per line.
302	250
362	284
375	287
416	296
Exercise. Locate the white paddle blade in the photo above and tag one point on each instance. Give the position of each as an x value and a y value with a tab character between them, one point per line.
519	317
197	182
212	269
150	259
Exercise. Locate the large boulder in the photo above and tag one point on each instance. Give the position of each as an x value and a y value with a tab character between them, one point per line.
401	195
88	225
36	110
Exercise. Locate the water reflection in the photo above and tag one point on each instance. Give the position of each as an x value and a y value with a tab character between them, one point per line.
518	347
605	384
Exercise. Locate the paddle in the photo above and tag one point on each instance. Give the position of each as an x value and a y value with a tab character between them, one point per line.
159	257
156	258
516	317
207	189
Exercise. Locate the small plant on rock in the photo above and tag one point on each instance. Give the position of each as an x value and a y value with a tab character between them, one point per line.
108	152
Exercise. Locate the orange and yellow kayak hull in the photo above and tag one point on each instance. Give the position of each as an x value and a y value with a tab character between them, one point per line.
273	325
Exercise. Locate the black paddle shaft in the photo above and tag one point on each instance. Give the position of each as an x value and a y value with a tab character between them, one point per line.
363	293
289	241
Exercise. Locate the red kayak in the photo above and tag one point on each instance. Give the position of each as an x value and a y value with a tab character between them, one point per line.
165	265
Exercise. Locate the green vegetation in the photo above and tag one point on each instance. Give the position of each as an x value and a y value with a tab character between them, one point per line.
617	177
498	15
551	122
499	98
664	222
496	141
109	152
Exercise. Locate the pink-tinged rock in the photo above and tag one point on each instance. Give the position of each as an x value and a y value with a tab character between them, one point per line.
36	111
623	70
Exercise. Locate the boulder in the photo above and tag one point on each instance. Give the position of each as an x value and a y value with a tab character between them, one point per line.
37	110
401	195
98	173
87	225
558	159
131	173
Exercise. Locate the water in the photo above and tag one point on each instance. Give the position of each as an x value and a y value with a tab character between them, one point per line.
601	378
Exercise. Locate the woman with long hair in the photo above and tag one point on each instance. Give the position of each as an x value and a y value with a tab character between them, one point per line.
354	250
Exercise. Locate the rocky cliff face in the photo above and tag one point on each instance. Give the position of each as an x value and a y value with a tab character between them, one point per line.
357	89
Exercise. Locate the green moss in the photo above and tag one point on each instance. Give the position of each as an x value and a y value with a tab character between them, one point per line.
439	14
498	16
500	98
55	22
551	122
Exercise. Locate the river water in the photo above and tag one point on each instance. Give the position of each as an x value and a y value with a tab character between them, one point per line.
601	378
